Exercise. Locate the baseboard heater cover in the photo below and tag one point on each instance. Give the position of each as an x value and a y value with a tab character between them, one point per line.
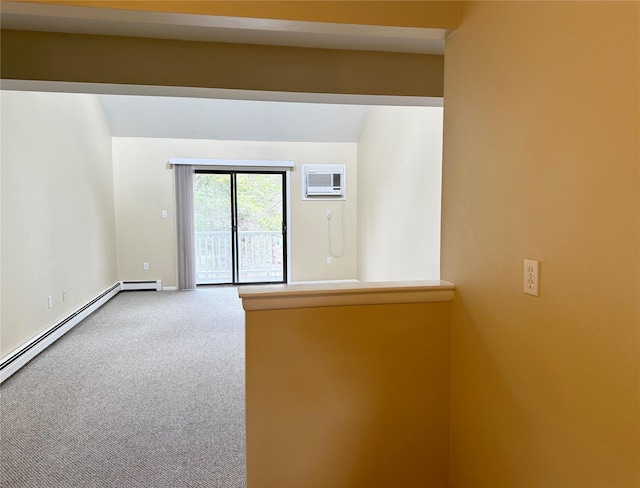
142	285
30	349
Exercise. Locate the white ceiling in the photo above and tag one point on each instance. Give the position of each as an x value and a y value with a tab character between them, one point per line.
240	120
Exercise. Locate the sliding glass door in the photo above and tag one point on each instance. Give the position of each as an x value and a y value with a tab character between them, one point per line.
213	226
240	227
261	227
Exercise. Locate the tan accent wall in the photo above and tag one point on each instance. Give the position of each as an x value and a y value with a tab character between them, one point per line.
431	14
348	396
58	229
162	62
541	161
399	192
144	187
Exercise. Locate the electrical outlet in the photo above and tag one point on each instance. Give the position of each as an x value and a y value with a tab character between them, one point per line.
329	214
164	214
145	266
64	295
50	302
328	259
532	277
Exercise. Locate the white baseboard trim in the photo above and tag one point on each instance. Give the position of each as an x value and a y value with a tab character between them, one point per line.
169	288
17	358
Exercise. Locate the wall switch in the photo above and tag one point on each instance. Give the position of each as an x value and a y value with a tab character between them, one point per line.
329	214
50	302
328	259
64	295
145	266
164	214
532	277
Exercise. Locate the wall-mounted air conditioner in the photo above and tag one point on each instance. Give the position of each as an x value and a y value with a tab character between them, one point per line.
323	180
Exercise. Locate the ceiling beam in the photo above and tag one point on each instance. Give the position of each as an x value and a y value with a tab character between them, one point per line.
47	56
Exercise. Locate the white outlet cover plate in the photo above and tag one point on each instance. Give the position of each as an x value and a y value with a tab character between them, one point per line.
532	277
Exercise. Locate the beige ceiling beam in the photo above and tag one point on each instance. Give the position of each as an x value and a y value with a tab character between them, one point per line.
420	14
83	58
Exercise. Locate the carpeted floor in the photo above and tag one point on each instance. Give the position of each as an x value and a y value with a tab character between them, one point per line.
146	392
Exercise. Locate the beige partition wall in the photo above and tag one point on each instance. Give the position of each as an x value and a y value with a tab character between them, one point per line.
348	396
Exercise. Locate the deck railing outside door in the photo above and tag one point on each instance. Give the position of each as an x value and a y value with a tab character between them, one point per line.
260	255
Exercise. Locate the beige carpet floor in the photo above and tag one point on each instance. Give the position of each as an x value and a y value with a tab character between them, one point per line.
146	392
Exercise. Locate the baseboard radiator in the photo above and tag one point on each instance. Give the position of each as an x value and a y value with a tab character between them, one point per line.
25	353
141	285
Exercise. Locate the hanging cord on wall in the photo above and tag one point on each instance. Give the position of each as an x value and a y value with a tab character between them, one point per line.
342	238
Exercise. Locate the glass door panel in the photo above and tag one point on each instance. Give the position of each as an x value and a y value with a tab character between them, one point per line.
213	224
260	221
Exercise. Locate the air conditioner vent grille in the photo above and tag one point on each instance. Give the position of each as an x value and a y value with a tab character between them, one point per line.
323	181
320	179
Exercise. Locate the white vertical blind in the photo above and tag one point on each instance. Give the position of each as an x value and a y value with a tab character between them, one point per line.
185	227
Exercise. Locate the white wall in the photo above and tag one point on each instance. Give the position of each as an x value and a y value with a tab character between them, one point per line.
144	187
399	190
58	229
